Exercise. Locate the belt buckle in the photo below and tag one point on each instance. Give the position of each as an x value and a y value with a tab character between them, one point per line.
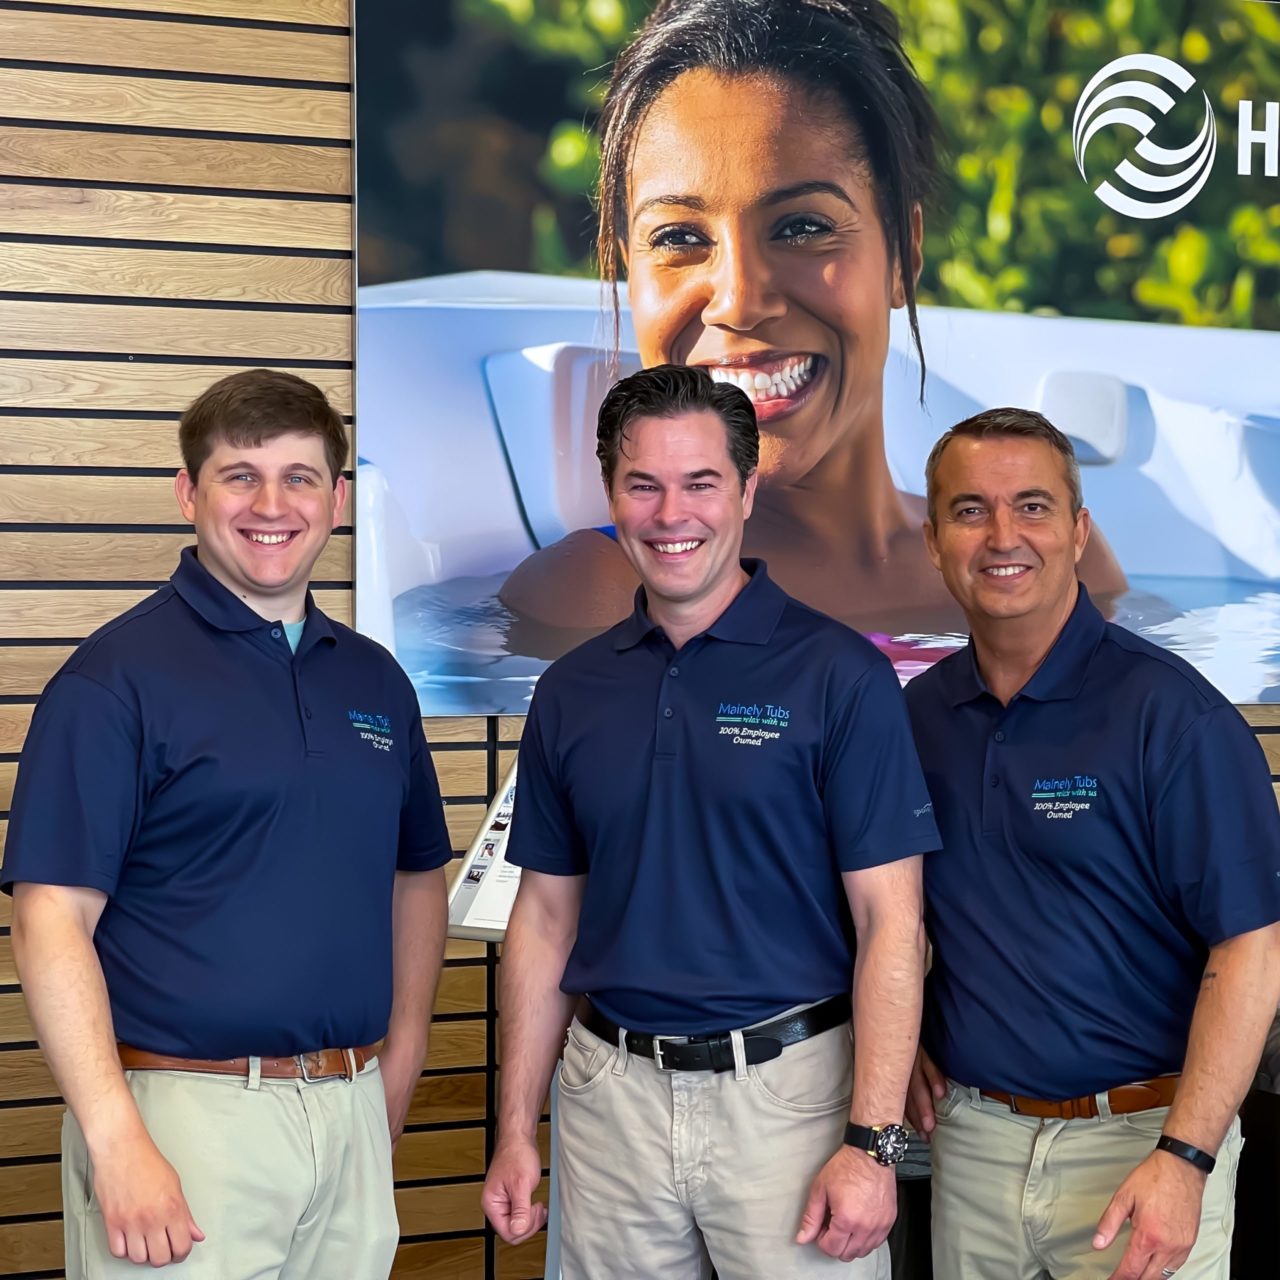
657	1053
302	1065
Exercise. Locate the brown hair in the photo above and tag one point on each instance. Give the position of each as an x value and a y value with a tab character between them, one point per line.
249	408
1024	424
667	391
847	51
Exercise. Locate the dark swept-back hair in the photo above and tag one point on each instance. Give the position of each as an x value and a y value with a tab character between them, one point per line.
848	51
1024	424
668	391
249	408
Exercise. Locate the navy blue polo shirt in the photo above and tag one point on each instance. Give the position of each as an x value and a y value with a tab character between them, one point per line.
244	808
712	797
1101	833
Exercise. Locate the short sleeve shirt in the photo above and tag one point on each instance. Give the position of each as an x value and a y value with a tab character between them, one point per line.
244	808
712	797
1101	833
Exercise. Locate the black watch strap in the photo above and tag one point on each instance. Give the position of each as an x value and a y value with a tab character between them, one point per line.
1185	1151
861	1137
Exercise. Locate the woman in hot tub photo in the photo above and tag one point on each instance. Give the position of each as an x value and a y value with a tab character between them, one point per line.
764	171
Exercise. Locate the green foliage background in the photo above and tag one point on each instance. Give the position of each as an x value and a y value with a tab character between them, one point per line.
488	160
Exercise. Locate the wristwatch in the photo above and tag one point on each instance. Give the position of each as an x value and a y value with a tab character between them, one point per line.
886	1144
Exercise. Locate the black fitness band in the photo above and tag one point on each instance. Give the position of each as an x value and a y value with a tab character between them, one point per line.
1185	1151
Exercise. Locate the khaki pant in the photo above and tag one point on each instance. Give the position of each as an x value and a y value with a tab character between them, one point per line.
665	1173
287	1180
1016	1198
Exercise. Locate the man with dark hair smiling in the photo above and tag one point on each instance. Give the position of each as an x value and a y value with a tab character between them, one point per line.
714	797
1104	917
225	853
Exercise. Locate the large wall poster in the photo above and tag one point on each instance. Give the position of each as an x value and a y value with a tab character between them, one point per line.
1104	246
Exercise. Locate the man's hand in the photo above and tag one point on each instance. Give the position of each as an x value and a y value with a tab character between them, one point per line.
143	1209
928	1085
1162	1197
401	1065
507	1198
851	1206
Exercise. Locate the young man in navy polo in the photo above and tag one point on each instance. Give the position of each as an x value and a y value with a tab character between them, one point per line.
224	853
714	797
1106	954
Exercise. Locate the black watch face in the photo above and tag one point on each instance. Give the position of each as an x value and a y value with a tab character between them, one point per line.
891	1144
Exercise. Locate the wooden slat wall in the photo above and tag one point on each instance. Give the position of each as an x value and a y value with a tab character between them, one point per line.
175	203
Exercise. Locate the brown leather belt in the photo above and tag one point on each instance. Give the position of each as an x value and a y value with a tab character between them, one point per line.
323	1064
1125	1099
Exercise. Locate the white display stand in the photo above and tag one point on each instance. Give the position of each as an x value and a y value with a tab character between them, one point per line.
484	890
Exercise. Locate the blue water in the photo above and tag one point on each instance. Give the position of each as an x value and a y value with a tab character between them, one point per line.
468	655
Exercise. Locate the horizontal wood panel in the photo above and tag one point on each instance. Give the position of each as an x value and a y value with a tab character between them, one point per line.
205	106
30	1189
526	1261
33	615
26	669
1262	715
461	773
23	1074
173	46
440	1260
14	719
327	13
31	1131
15	1022
454	728
1271	749
97	270
448	1153
149	160
448	1099
125	557
30	1246
134	386
30	209
427	1210
199	333
60	499
463	821
8	774
457	1044
89	442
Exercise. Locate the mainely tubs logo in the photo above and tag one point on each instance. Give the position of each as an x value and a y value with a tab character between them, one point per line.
373	729
1165	179
1156	181
752	724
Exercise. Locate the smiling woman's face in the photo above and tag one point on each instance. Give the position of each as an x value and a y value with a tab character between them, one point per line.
754	247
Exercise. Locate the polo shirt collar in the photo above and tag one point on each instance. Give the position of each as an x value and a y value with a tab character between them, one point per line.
751	617
1061	673
222	609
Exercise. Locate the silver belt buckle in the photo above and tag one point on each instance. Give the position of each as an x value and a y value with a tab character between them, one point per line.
302	1063
657	1053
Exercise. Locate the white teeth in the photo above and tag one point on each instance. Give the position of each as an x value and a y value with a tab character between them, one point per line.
1005	571
270	539
675	548
777	385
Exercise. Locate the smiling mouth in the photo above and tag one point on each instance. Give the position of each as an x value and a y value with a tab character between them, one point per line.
675	548
1006	570
767	381
268	539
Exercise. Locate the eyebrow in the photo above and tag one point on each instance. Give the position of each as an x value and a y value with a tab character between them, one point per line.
1021	496
779	196
232	467
706	473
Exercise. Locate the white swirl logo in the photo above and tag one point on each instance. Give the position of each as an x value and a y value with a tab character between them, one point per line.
1179	172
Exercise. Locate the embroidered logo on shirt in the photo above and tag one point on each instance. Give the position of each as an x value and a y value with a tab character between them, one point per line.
1064	797
373	729
752	724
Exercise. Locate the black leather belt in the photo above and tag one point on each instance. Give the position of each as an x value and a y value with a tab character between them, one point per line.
715	1052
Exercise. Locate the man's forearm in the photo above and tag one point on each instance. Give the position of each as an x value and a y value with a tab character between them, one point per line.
888	978
419	916
1235	1007
534	1014
65	991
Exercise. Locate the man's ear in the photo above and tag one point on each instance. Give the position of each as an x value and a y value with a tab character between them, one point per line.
341	492
184	488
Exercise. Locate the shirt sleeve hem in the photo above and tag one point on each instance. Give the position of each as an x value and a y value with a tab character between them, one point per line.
427	860
68	880
864	860
546	868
